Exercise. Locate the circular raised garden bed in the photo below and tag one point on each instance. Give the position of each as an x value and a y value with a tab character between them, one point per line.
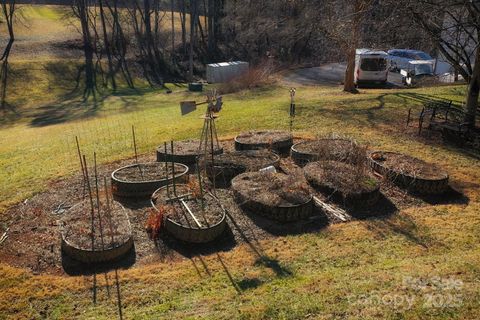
278	141
76	232
410	173
210	217
141	180
343	182
336	149
228	165
185	152
273	195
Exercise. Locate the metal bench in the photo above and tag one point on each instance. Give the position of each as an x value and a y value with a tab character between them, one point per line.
449	120
434	113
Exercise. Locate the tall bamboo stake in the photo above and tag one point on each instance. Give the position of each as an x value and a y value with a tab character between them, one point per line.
166	168
135	149
134	144
100	216
173	170
200	185
92	210
80	158
109	212
98	201
81	166
216	135
211	147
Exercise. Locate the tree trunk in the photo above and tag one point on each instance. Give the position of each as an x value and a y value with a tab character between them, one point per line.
218	6
4	78
473	93
172	9
89	71
193	13
119	47
152	54
106	43
9	14
183	22
349	82
211	29
83	15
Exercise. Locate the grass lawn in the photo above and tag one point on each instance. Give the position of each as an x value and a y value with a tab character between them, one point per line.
361	269
328	272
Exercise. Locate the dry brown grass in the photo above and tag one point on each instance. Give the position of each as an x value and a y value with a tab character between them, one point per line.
256	77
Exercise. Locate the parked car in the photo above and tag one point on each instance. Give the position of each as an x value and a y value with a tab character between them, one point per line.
417	71
371	67
400	58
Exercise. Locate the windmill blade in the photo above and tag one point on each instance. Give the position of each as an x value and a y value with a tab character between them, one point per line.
187	106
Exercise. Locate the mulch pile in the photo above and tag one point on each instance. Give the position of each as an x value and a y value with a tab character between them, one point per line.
110	229
267	137
251	160
143	172
187	148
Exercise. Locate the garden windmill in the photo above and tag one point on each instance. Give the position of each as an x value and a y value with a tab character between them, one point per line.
208	138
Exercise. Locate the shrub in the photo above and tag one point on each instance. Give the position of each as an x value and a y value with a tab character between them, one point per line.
255	77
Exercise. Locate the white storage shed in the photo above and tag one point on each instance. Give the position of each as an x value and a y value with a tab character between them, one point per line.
225	71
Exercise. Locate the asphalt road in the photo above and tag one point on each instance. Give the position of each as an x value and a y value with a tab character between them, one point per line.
329	74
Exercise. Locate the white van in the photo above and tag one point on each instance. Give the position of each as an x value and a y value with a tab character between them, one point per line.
371	67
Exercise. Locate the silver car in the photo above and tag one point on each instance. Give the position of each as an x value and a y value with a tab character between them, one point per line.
400	58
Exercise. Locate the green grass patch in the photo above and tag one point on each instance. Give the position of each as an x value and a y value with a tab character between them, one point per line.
335	273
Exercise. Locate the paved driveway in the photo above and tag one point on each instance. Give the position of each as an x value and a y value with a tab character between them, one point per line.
330	74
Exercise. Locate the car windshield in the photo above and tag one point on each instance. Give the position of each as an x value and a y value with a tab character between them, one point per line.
373	64
422	56
410	55
423	69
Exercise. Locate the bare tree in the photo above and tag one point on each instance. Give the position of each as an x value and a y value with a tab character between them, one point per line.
119	43
257	29
211	26
106	45
359	9
172	10
183	23
344	26
193	18
81	11
146	17
454	25
8	10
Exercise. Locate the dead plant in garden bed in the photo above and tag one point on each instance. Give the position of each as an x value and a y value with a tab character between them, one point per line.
273	189
330	148
341	177
407	165
343	150
155	220
194	188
